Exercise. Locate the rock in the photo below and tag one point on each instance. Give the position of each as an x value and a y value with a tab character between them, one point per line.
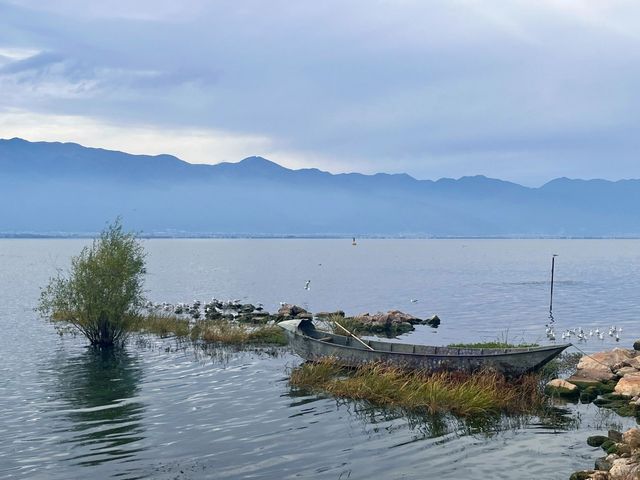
636	345
624	469
602	464
598	366
632	437
583	475
288	310
617	403
246	308
392	320
337	313
433	321
561	388
308	316
629	385
589	394
633	362
599	476
614	435
596	440
621	372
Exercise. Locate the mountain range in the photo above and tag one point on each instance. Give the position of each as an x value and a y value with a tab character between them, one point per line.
65	188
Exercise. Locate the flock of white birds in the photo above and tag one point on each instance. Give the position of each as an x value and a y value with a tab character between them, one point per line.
583	336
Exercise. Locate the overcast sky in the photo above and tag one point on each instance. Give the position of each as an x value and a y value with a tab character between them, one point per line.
520	90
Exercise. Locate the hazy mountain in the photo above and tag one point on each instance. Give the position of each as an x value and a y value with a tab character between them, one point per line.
65	187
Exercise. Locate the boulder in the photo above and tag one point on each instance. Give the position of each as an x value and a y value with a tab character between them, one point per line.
621	372
596	440
636	345
633	362
433	321
583	475
614	435
629	385
561	388
391	319
598	366
632	437
602	464
624	469
288	310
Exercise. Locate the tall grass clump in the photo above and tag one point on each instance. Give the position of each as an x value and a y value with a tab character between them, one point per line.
237	334
102	293
164	325
478	393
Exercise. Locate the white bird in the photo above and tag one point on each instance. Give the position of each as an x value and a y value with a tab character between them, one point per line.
601	335
306	285
414	300
591	332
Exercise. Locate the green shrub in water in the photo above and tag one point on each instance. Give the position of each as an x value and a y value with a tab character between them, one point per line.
102	293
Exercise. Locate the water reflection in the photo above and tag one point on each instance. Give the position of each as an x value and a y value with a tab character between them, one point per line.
100	387
444	427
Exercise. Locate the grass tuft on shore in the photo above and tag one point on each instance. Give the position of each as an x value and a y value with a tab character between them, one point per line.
441	392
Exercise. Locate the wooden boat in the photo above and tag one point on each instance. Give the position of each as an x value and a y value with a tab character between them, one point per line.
313	345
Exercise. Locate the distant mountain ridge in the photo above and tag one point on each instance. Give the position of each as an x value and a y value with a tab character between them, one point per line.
65	187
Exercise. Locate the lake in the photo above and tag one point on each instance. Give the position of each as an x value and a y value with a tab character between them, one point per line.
161	409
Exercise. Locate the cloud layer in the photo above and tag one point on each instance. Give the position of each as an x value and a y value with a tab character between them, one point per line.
525	91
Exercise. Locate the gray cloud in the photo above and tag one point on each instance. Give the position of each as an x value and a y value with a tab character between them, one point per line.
526	91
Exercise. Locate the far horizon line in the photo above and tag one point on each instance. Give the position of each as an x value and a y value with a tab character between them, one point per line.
314	236
481	175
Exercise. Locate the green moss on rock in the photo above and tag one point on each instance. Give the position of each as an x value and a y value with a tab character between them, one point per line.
597	440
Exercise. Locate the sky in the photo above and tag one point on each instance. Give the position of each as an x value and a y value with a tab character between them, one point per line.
525	91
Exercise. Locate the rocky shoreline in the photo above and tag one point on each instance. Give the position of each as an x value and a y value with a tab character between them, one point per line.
393	322
609	379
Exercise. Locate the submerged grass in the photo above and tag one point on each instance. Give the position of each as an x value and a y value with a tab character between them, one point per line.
443	392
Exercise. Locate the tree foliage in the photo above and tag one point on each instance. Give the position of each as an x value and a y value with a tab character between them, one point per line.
102	293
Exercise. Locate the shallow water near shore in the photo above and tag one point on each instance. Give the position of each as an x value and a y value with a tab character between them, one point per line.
161	409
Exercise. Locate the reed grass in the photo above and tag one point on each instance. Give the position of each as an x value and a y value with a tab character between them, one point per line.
442	392
163	325
209	331
231	333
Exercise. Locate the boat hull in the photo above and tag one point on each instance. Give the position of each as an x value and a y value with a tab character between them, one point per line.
303	338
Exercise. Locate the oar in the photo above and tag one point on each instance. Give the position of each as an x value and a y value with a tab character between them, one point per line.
354	336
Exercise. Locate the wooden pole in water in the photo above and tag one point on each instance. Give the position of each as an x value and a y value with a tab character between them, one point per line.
553	264
354	336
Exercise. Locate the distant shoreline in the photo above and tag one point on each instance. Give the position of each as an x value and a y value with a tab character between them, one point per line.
231	236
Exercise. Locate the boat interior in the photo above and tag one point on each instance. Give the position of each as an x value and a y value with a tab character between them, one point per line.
309	330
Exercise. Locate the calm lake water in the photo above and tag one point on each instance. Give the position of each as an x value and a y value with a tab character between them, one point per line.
163	410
